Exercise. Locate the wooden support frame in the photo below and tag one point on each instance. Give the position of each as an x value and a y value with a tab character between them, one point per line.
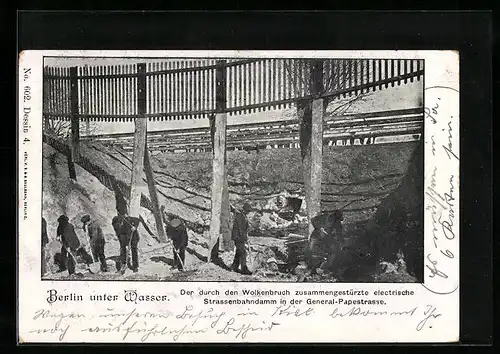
219	179
316	159
139	143
311	114
227	243
304	112
75	116
153	195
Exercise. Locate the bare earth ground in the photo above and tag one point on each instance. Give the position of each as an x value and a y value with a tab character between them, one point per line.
360	176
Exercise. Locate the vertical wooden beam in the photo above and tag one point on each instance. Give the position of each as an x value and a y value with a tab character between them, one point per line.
139	142
75	119
153	195
316	139
225	229
311	141
304	114
46	99
219	125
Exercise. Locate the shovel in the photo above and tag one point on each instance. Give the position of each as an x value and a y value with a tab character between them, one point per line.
74	260
178	257
95	267
249	253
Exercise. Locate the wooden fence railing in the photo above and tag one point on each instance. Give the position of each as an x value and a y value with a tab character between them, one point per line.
186	89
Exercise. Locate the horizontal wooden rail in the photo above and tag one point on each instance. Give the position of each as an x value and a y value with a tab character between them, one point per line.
185	88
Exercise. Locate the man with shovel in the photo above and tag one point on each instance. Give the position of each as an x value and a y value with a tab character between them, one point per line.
97	241
177	232
70	243
126	230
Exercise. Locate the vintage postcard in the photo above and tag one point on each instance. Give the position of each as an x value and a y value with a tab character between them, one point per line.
238	196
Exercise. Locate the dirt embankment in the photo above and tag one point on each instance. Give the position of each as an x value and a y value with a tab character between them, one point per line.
355	178
360	176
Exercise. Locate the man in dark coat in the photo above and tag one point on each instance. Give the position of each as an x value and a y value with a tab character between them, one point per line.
45	240
120	202
70	242
97	240
126	230
239	235
325	241
337	231
176	231
336	241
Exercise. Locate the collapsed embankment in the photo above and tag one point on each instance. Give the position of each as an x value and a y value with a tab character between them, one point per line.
357	176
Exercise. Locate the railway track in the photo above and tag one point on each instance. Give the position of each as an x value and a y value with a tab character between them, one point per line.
353	128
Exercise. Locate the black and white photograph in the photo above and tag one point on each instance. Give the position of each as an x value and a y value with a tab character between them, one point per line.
233	169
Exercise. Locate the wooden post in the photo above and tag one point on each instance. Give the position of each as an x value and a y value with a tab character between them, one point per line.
71	168
153	195
139	142
218	127
311	142
46	107
46	123
316	140
75	119
304	112
227	244
47	89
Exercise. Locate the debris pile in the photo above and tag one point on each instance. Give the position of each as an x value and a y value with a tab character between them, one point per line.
296	246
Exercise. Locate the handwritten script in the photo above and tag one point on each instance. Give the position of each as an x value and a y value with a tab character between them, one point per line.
185	324
142	326
441	192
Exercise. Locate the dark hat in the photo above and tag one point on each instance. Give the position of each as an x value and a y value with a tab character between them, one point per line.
85	218
247	207
63	218
339	215
175	223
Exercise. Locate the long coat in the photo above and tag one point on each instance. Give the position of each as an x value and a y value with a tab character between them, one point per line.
123	224
45	237
178	235
123	229
239	233
68	236
324	240
95	234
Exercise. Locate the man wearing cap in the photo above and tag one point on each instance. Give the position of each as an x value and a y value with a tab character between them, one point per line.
70	243
97	240
126	230
239	235
176	231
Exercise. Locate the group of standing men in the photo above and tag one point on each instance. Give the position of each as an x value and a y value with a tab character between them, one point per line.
125	228
71	246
